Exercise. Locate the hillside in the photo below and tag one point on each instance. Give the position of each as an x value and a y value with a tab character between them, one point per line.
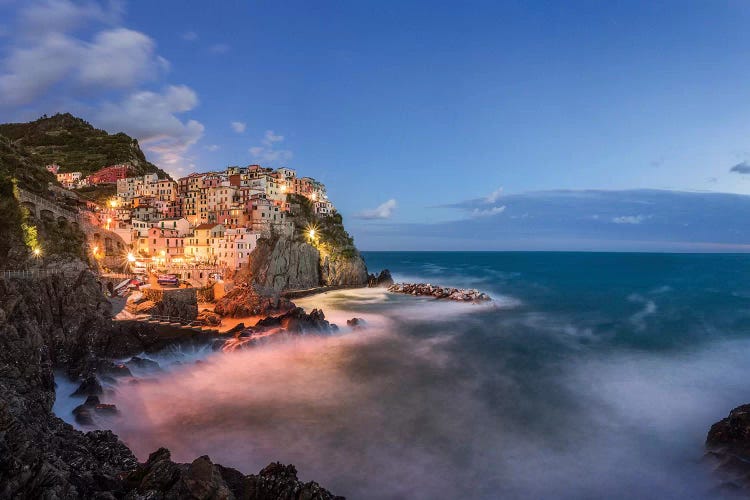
76	145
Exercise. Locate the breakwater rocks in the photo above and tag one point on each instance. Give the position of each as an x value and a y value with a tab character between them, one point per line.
440	292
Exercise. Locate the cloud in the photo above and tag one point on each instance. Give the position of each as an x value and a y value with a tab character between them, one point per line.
267	151
76	56
119	58
151	117
238	127
189	36
219	48
57	16
494	196
630	219
477	212
563	220
114	58
741	168
213	147
383	211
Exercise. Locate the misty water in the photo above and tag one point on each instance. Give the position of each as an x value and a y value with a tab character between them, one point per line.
590	376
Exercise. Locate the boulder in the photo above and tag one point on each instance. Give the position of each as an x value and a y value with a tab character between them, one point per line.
90	386
728	448
356	323
438	292
384	279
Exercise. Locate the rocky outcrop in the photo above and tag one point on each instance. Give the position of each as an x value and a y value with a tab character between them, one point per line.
384	279
51	322
160	477
728	449
439	292
338	270
245	300
297	321
282	263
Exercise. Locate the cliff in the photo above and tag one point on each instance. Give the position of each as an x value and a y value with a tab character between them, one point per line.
57	323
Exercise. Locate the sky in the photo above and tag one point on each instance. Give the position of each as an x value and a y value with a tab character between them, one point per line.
434	125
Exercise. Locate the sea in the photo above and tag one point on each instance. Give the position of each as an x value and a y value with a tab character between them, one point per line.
590	375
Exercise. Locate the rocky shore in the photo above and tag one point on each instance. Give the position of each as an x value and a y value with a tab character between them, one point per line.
55	323
440	292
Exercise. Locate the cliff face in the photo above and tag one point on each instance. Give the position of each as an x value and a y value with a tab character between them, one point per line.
338	270
285	263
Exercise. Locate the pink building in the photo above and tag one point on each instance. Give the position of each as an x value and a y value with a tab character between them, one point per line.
165	245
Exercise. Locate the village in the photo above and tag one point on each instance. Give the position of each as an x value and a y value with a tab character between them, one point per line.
198	229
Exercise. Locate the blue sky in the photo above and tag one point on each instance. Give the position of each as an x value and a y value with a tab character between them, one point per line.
412	111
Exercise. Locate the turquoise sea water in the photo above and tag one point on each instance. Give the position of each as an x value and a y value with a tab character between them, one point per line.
590	376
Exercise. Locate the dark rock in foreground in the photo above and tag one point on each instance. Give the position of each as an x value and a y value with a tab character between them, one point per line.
728	445
57	322
159	477
439	292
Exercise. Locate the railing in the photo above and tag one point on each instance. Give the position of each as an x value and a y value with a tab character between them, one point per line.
32	273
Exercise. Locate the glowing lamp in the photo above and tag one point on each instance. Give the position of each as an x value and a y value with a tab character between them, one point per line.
37	252
311	233
131	257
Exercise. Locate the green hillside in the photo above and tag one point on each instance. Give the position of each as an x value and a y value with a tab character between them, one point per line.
77	146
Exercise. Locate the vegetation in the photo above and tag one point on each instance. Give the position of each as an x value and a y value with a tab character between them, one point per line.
12	250
330	235
16	162
77	146
99	194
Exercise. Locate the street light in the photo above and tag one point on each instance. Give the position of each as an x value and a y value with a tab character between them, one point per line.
37	252
131	257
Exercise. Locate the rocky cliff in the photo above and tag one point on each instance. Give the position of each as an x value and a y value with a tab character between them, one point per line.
62	323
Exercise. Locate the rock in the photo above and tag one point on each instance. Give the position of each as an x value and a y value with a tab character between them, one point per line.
89	386
106	409
297	321
58	322
83	415
143	364
426	289
159	477
356	323
728	448
384	279
209	317
245	300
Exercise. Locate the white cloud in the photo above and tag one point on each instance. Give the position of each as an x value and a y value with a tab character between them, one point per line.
46	55
238	127
383	211
494	196
119	58
213	147
60	16
30	71
267	152
190	36
630	219
151	118
219	48
487	212
69	55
